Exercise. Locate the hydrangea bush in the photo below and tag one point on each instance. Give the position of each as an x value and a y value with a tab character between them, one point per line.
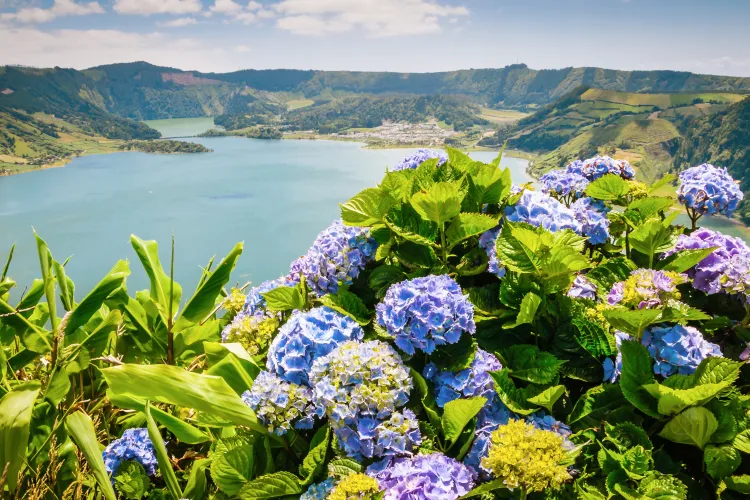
452	334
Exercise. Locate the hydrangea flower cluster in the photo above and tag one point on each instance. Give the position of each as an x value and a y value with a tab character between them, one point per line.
646	289
545	422
470	382
592	215
318	491
359	380
253	332
355	487
564	184
424	313
488	241
582	288
526	457
432	476
677	349
708	190
371	437
725	270
279	404
598	166
234	302
336	257
613	369
542	210
307	336
421	156
136	445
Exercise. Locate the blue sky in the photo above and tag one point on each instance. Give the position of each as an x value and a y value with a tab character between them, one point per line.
706	36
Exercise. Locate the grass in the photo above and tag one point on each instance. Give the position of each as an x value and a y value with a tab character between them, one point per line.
662	101
299	103
502	115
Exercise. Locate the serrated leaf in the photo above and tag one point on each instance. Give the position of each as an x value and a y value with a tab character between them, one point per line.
527	311
284	298
651	205
658	486
531	364
455	357
609	187
597	402
721	461
131	480
366	208
313	462
651	238
593	338
513	397
342	467
348	304
637	461
426	397
632	322
693	426
606	274
519	248
637	372
467	225
492	486
548	397
683	260
740	484
275	485
457	414
439	204
742	441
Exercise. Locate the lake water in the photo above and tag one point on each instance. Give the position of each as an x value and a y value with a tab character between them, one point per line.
273	195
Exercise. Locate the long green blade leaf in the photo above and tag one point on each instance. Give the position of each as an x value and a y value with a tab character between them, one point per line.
162	457
81	429
15	419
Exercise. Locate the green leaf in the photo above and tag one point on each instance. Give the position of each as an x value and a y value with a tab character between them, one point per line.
527	312
382	277
742	441
67	288
637	372
131	480
174	385
92	302
457	414
489	185
203	300
414	255
661	182
513	397
58	386
284	298
427	399
548	397
45	262
593	338
405	222
275	485
693	426
93	345
658	486
342	467
367	208
678	312
519	248
721	461
632	322
455	357
439	204
740	484
610	272
232	468
81	429
637	461
197	484
15	418
609	187
349	304
531	364
162	457
683	260
315	459
467	225
148	254
650	206
651	238
597	402
492	486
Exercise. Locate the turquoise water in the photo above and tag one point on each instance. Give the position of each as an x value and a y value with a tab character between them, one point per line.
273	195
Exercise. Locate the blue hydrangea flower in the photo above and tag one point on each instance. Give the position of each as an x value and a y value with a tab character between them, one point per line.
709	190
319	491
279	404
542	210
598	166
424	313
541	420
725	270
307	336
359	380
677	349
488	241
473	381
613	369
433	477
371	437
582	288
564	185
336	257
421	156
493	415
592	215
136	445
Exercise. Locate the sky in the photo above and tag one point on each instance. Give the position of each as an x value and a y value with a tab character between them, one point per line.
703	36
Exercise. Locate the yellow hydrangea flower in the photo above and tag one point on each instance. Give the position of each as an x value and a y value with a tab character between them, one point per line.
252	332
355	487
527	458
637	190
234	302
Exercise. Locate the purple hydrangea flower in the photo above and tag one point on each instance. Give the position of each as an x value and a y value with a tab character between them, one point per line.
488	242
371	437
336	257
542	210
136	445
473	381
582	288
433	477
307	336
421	156
279	404
564	184
646	289
424	313
677	349
709	190
598	166
319	491
592	215
725	270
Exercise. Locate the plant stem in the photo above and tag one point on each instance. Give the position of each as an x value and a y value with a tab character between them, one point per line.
523	494
442	245
627	243
170	333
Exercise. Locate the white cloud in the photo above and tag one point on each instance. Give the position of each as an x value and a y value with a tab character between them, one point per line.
148	7
376	17
179	22
226	7
60	8
243	49
237	13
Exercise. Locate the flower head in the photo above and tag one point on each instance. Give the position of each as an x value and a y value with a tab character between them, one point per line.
542	210
307	336
709	190
234	302
527	457
488	242
280	404
359	380
371	437
421	156
592	215
545	422
424	313
598	166
433	476
564	184
613	369
355	487
473	381
677	349
647	289
136	445
582	288
253	332
336	257
318	491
